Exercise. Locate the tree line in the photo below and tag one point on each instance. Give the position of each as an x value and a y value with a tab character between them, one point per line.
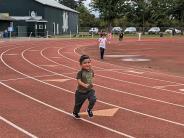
138	13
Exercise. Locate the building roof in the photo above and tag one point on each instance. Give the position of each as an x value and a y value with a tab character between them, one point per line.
5	17
24	18
54	3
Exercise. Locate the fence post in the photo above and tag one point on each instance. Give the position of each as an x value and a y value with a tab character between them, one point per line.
10	34
139	36
70	35
30	35
47	34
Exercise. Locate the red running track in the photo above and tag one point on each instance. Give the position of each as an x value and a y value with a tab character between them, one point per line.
37	86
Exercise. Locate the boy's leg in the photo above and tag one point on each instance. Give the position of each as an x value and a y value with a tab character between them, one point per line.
91	99
79	100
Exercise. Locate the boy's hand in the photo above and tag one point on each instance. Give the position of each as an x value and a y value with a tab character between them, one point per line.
90	86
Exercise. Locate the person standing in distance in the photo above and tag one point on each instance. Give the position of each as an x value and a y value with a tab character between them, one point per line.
102	45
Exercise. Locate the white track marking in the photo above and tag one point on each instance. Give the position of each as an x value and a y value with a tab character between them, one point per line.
102	101
172	91
139	113
26	78
127	67
163	86
96	124
49	65
144	97
11	54
56	57
34	50
136	72
17	127
67	113
121	56
181	90
125	81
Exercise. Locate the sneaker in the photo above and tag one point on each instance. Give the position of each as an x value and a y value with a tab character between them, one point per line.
90	113
76	115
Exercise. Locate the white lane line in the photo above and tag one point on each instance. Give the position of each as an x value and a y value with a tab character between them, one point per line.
49	65
144	97
11	54
34	50
169	86
56	57
109	103
181	90
17	127
121	56
27	78
172	91
136	72
96	124
136	112
67	113
131	67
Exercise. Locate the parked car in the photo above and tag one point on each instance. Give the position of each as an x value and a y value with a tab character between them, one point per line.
116	30
170	31
93	30
154	30
130	30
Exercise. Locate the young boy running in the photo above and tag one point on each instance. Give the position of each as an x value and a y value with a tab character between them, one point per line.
85	87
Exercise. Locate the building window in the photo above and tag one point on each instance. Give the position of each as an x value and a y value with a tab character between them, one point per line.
65	21
54	28
40	26
57	28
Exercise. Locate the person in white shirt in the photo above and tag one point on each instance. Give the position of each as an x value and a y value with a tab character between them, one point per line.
102	45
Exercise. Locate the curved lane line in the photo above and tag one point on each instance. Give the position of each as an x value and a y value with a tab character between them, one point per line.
17	127
151	116
85	120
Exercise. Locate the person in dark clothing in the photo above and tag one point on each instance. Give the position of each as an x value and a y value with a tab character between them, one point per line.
121	36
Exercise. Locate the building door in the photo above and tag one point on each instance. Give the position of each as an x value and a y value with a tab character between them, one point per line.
54	28
57	29
22	31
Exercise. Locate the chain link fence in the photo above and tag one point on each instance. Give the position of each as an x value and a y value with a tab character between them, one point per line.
85	32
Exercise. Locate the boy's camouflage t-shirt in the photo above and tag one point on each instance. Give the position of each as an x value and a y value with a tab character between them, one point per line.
86	76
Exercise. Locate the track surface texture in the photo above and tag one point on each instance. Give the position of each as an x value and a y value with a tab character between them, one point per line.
139	87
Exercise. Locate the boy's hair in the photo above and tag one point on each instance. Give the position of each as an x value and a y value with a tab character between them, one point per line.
83	57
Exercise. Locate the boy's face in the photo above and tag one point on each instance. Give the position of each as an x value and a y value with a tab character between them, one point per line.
86	64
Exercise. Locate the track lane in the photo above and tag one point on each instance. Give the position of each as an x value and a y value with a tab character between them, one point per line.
109	129
46	120
145	101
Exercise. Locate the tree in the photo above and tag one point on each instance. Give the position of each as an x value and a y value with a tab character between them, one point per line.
109	9
69	3
178	11
86	18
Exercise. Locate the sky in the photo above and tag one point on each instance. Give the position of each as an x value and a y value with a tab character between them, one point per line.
86	3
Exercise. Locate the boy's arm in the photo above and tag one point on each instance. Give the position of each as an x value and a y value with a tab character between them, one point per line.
83	84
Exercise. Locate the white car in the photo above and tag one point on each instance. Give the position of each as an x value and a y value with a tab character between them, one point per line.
93	30
170	31
154	30
116	30
131	30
